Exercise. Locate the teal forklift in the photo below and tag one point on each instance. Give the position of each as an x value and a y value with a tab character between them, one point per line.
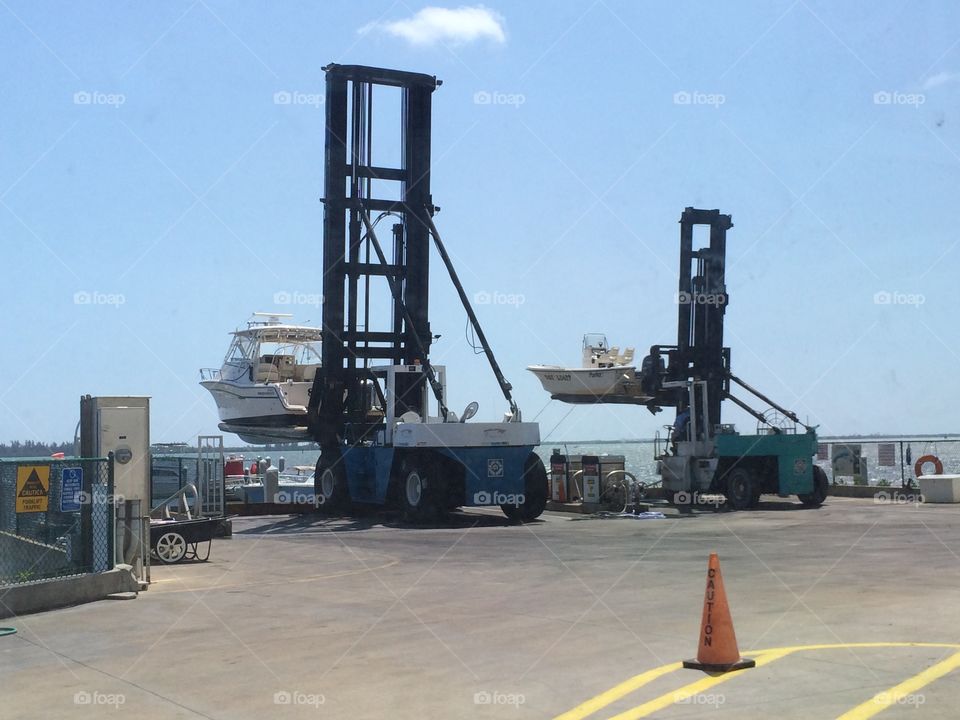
704	455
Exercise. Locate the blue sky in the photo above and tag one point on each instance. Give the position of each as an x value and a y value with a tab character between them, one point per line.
147	167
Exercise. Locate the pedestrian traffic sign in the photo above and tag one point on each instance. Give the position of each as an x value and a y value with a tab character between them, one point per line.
71	487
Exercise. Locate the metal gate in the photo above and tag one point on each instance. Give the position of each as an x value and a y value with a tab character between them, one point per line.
210	479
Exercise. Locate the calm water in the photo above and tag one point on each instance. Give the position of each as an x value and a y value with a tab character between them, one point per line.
638	456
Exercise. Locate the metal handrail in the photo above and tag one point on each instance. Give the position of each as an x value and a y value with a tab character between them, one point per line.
164	505
579	488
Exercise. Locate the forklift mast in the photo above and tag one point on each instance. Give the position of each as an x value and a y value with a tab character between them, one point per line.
699	355
356	272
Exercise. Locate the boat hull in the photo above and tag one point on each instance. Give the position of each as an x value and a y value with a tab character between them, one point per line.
590	385
259	413
255	432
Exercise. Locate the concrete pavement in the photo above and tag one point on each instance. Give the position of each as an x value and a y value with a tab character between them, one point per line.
308	617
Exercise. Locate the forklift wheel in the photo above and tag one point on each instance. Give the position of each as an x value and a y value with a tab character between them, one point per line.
331	484
820	489
418	490
741	489
535	491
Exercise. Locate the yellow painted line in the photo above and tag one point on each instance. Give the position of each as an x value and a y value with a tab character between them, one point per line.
615	693
882	700
762	657
844	646
694	688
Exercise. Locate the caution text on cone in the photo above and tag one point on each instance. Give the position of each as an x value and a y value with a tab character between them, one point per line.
717	650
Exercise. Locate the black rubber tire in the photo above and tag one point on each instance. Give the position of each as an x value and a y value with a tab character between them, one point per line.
418	490
821	486
330	484
669	496
741	488
536	490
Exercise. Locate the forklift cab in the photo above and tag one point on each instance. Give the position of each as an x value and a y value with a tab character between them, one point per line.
406	394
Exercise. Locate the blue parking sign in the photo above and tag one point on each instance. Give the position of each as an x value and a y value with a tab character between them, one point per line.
71	485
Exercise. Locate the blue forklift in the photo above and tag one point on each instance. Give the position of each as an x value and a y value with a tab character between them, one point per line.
378	406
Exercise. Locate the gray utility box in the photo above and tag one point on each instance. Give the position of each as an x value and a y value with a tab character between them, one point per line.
120	425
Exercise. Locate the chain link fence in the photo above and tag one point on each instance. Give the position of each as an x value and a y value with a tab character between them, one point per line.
886	463
56	517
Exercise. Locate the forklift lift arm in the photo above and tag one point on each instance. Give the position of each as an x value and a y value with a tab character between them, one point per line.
741	404
505	386
765	399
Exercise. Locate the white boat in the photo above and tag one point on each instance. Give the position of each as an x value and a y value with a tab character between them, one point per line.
263	387
605	375
294	485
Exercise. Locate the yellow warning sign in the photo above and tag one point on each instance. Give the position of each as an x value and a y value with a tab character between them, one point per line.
33	488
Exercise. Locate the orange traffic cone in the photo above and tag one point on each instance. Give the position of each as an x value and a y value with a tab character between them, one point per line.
717	651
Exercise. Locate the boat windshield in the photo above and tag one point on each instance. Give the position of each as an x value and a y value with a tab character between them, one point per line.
303	353
242	349
597	341
303	347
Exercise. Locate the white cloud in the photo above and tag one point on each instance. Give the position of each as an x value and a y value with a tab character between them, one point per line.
457	26
941	78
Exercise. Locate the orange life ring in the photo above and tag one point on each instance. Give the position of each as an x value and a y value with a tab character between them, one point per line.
937	465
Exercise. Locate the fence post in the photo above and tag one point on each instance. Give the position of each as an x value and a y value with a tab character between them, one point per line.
86	514
112	522
903	481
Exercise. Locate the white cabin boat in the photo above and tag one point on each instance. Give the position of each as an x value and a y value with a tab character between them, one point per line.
605	375
263	387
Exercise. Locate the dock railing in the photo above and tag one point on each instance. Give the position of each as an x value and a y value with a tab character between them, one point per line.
886	462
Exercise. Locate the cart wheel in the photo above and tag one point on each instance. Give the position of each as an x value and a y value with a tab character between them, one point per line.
170	548
535	491
820	489
740	489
